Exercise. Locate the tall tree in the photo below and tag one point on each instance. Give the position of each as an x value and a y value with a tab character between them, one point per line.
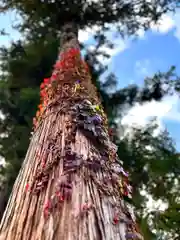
19	96
36	23
71	185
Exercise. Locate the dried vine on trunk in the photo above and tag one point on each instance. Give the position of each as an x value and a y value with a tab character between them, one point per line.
71	185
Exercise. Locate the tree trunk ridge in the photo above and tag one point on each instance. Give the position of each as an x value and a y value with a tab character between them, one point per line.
71	184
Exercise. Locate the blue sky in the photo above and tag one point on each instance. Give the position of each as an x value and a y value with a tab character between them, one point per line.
132	61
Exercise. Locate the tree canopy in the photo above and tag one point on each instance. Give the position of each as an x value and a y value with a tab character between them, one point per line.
47	17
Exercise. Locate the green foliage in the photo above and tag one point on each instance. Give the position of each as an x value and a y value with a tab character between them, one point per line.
153	165
47	17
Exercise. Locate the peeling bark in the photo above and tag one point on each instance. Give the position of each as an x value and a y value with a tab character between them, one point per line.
67	188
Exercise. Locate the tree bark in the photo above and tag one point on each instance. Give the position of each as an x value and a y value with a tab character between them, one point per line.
71	184
3	195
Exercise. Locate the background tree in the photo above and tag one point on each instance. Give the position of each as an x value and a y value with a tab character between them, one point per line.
46	18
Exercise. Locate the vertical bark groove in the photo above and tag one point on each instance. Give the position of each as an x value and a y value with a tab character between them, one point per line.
67	187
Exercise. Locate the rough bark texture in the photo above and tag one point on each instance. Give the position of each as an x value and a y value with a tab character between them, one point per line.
71	184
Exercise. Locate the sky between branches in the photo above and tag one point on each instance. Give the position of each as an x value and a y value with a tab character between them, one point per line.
132	61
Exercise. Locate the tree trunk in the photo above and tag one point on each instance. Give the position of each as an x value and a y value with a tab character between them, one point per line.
3	195
71	184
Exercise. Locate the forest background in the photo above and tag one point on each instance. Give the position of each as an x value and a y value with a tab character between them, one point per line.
137	75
